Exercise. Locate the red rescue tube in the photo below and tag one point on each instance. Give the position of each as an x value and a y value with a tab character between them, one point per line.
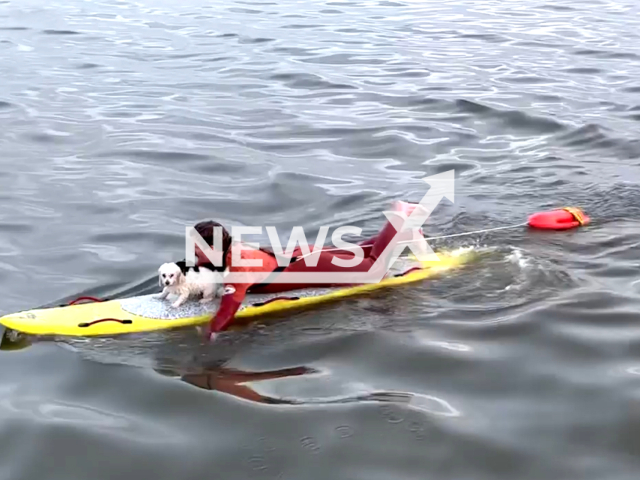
562	219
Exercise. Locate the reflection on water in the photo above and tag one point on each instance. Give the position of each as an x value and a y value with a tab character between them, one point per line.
238	383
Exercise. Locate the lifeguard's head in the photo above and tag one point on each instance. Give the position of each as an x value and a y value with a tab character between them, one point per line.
207	230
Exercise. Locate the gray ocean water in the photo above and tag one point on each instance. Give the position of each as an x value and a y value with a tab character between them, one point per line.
122	122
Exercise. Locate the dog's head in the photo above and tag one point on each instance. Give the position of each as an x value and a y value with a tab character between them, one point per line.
169	275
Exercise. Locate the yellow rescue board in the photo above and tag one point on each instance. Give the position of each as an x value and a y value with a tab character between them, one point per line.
146	313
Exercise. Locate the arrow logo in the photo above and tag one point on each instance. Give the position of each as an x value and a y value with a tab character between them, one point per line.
442	186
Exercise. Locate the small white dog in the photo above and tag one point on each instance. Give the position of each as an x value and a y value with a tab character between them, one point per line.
178	279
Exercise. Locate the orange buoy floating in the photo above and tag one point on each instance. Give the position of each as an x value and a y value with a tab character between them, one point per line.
561	219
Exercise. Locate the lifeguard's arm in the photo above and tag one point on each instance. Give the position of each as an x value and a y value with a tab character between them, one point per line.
229	305
235	292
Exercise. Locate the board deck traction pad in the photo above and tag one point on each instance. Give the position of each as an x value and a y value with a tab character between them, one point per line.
148	313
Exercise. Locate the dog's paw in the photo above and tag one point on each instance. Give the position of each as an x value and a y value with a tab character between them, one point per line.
206	299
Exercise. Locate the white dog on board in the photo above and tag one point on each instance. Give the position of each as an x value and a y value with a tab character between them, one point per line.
178	279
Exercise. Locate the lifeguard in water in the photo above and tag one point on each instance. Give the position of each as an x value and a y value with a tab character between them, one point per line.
254	277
